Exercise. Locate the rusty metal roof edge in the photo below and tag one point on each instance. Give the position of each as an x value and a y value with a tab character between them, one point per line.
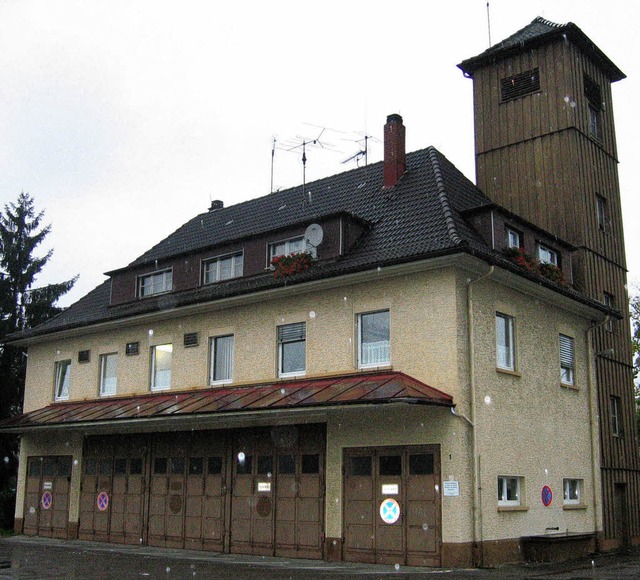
194	417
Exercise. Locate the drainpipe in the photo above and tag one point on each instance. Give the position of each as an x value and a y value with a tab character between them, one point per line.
591	370
476	510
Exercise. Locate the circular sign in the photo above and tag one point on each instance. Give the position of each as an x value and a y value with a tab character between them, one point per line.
46	500
103	501
547	496
389	511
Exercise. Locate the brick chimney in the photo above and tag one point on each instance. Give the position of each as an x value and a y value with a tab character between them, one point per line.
394	150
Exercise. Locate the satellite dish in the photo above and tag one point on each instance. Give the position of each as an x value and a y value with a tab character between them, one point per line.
313	235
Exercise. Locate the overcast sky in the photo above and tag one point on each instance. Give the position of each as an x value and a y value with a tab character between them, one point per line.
124	119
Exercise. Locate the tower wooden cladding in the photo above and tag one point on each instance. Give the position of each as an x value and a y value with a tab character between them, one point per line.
546	149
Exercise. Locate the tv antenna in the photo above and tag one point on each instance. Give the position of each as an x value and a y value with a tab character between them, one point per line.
489	24
364	151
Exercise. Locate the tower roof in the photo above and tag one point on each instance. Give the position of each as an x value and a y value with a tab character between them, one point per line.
538	33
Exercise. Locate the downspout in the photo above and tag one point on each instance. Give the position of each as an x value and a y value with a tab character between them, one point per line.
591	370
476	509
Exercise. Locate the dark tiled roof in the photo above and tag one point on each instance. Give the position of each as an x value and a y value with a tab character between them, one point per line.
538	32
420	217
371	388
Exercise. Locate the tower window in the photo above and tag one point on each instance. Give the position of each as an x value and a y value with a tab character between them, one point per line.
519	85
594	97
601	205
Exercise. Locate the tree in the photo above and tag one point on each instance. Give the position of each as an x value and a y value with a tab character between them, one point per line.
21	307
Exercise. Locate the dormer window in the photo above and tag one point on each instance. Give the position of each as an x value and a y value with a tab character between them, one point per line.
286	247
222	268
547	255
155	283
514	238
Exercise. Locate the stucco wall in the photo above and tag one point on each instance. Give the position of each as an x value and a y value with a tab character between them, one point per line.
423	324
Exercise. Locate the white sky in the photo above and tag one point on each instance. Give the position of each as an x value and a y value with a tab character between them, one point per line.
124	119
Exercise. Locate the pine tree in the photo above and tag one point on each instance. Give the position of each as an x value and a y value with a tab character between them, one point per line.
21	307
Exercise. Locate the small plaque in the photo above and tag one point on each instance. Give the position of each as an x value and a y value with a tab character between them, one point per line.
390	489
451	488
264	486
47	485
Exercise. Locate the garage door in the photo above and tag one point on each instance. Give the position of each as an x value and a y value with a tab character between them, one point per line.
46	504
392	505
277	504
188	491
112	499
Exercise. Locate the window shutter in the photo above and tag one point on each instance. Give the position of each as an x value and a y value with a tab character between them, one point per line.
292	332
566	351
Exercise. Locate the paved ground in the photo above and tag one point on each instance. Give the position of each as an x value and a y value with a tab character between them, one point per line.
43	558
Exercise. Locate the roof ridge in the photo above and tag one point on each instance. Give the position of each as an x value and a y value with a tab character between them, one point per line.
541	20
443	198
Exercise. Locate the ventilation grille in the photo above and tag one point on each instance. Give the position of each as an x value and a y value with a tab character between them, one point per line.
519	85
191	339
132	348
84	356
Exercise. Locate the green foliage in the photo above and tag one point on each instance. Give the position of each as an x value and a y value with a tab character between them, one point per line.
21	307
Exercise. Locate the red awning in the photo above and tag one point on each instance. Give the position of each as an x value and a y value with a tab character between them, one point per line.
388	387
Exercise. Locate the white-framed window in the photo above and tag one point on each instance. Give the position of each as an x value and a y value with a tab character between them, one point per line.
547	255
514	240
155	283
601	209
292	349
616	416
221	354
505	342
567	359
286	247
108	374
509	491
222	268
374	344
161	356
572	491
62	379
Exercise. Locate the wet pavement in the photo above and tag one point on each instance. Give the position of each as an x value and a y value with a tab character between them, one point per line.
43	558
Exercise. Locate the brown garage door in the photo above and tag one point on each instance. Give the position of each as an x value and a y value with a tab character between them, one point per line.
277	503
392	505
112	499
46	503
188	491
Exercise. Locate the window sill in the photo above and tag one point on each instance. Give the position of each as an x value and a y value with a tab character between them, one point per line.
373	367
513	508
160	389
220	383
574	506
292	375
508	372
571	387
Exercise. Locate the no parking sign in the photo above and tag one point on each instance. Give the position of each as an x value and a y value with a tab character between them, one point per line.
103	501
389	511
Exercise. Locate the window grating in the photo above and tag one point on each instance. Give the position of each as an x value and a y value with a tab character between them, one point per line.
132	348
191	339
519	85
84	356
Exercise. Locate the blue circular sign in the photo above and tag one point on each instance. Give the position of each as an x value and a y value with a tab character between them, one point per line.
46	500
547	496
103	501
389	511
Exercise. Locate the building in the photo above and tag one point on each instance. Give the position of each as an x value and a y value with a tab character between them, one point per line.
372	368
546	145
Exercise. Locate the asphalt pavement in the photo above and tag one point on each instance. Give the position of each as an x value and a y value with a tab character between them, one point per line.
44	558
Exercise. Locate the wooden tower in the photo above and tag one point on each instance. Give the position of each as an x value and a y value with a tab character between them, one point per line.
546	149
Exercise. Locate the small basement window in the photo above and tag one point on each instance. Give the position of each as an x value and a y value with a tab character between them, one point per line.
84	356
132	348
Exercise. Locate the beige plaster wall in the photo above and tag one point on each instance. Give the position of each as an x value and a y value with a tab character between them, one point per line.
527	424
423	324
